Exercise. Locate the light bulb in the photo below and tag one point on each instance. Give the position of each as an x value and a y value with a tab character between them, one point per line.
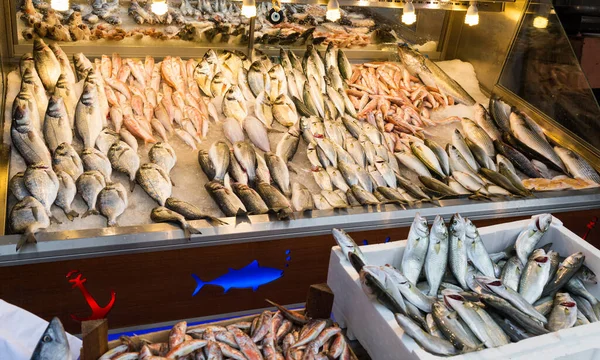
540	22
472	17
409	16
249	8
159	7
333	11
60	5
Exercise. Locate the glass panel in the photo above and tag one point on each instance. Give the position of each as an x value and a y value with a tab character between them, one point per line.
543	70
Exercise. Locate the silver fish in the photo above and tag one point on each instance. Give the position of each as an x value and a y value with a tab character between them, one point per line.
53	344
564	313
65	65
66	159
484	120
413	163
478	136
284	111
263	109
279	172
440	154
437	255
112	202
250	198
288	145
94	159
162	214
450	325
409	290
337	179
16	185
46	64
458	141
566	270
257	133
322	178
535	276
28	217
42	183
106	139
227	201
88	119
89	185
66	193
65	90
416	249
432	344
246	156
301	198
234	104
233	130
219	156
576	165
163	155
476	250
531	235
27	139
155	181
334	199
124	159
511	273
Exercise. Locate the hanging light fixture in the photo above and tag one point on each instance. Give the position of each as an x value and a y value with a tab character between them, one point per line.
409	16
540	22
159	7
249	8
472	17
60	5
333	11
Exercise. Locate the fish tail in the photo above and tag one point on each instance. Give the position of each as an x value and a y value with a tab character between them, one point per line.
216	220
71	215
192	230
55	220
27	237
199	282
89	212
131	185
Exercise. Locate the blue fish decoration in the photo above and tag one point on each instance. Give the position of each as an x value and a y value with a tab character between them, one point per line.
250	276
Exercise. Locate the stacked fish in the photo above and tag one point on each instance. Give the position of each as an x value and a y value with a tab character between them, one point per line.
471	299
270	335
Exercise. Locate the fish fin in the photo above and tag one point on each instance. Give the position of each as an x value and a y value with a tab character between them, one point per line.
199	282
172	182
111	223
186	233
226	289
89	212
253	265
254	288
217	221
71	215
193	230
53	219
27	237
131	185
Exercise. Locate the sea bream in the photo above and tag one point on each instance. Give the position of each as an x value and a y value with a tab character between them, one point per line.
27	139
28	217
57	127
88	119
42	183
46	64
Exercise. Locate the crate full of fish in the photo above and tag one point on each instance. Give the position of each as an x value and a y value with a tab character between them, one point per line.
514	290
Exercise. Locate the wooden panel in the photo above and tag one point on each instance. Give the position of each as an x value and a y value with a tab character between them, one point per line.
157	286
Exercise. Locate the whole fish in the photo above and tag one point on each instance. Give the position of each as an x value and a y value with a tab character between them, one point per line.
354	175
457	162
337	179
416	249
441	155
246	156
257	133
155	181
531	235
162	214
334	199
500	112
564	313
535	276
258	78
16	185
252	201
566	270
409	291
450	325
432	75
478	136
437	255
89	184
263	109
112	202
437	187
88	119
301	198
505	308
106	139
458	141
575	287
83	66
511	273
42	183
476	251
274	199
53	343
228	202
413	163
206	164
519	160
576	165
65	90
94	159
585	307
284	111
527	135
66	193
233	130
432	344
190	211
27	139
65	65
480	156
28	217
124	159
163	155
544	305
485	121
234	104
46	64
26	98
279	172
458	249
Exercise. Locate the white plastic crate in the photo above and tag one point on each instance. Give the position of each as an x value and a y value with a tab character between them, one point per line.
375	327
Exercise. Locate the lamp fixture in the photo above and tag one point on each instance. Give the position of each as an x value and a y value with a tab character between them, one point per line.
60	5
159	7
409	16
333	11
472	17
249	8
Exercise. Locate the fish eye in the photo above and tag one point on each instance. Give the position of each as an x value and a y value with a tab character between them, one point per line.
47	338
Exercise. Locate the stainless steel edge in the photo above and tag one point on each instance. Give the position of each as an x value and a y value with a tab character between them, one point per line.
66	245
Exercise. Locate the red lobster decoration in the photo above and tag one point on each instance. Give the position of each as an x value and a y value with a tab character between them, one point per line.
98	312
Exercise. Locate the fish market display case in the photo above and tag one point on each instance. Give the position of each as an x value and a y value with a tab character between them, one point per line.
518	55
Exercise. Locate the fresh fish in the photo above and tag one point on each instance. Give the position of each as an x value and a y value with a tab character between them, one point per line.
27	139
355	149
162	214
124	159
432	344
26	98
500	113
518	159
416	249
65	90
544	305
535	276
284	111
258	79
437	187
163	155
531	235
432	75
301	198
94	159
66	159
363	196
453	329
529	137
344	65
246	156
458	141
476	251
112	202
228	202
218	155
262	170
234	104
252	201
355	175
83	66
88	119
575	287
500	180
413	163
412	189
187	138
321	202
206	164
337	179
155	181
263	109
505	308
437	255
106	139
279	172
576	165
485	121
257	133
564	313
42	183
46	64
89	184
585	307
16	185
511	273
478	136
409	291
457	161
274	199
514	179
28	217
480	156
440	154
457	187
334	199
57	128
53	344
66	193
190	211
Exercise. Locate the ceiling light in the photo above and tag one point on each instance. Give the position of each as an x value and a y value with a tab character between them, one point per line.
60	5
409	16
249	8
540	22
472	17
159	7
333	11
